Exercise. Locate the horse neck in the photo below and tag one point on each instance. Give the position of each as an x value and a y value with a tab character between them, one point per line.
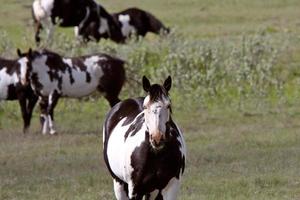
9	65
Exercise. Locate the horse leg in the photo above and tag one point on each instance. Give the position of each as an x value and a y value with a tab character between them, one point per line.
152	196
37	26
44	116
22	102
52	101
32	99
170	191
120	190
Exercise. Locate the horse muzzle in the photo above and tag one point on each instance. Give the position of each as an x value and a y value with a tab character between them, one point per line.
24	82
157	140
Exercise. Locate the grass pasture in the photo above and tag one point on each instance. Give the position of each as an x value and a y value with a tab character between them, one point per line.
236	96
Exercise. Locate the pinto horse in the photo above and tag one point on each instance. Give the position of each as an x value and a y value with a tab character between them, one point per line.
144	149
12	89
81	14
138	22
52	76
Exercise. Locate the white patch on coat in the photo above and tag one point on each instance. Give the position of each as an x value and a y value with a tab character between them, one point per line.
68	61
6	80
40	67
126	29
182	142
42	8
103	28
171	190
119	151
120	193
79	87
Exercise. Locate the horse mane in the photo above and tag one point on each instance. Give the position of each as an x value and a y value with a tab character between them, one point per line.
49	52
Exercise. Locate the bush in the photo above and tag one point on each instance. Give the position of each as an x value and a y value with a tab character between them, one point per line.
202	70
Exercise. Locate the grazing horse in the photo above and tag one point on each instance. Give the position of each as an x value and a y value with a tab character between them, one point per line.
144	149
12	89
52	76
138	22
89	18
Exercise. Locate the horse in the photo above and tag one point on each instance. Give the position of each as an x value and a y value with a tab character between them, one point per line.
11	87
135	21
52	76
143	148
81	14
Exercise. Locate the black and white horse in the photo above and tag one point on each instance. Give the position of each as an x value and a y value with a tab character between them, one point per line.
144	149
12	89
91	20
52	76
135	21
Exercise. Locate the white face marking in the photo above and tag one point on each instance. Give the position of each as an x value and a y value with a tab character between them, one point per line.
6	80
103	26
157	114
23	70
126	29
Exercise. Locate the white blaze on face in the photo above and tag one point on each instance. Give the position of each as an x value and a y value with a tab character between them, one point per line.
23	70
126	29
103	26
157	114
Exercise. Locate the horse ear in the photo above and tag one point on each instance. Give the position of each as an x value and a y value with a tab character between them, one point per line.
168	83
29	54
19	52
146	84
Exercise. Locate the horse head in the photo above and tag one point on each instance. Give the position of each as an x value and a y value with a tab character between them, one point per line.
157	111
25	65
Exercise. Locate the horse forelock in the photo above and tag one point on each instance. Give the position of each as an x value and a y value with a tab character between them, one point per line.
157	93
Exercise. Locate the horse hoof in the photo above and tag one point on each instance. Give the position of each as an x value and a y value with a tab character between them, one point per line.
53	132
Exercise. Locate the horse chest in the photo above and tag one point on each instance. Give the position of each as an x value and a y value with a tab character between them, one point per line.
153	170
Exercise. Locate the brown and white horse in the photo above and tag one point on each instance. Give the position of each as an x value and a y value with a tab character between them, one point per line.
91	20
135	21
12	89
52	76
144	149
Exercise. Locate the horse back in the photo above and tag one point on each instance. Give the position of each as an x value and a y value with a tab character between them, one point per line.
128	108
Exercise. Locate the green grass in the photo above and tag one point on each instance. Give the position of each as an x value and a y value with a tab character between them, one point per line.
240	145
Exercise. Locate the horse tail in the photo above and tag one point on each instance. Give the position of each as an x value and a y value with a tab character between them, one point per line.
155	25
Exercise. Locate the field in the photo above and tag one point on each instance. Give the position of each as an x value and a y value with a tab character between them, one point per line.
236	71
